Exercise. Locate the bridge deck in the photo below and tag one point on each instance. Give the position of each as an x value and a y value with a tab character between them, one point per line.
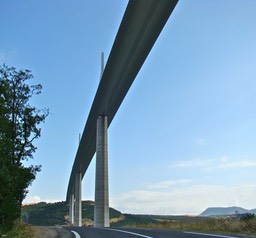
140	27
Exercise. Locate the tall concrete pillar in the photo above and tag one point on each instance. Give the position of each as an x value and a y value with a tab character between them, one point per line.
71	208
101	208
78	200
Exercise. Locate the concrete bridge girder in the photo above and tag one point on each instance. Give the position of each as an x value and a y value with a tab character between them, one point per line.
141	25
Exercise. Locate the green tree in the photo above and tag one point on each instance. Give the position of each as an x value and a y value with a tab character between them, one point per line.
19	127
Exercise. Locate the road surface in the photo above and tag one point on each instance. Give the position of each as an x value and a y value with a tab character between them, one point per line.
91	232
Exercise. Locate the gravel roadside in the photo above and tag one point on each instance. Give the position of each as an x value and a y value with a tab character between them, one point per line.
51	232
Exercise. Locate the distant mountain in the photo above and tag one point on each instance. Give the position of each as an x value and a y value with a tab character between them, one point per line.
253	211
218	211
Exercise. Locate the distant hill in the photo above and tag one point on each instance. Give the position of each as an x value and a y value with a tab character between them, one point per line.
51	214
253	211
220	211
44	214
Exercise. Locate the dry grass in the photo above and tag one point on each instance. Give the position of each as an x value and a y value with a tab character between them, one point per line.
227	225
28	231
20	231
44	232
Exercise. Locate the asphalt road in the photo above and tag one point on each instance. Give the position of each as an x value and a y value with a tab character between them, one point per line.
91	232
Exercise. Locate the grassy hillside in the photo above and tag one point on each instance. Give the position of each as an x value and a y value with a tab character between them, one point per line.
130	220
51	214
45	214
217	225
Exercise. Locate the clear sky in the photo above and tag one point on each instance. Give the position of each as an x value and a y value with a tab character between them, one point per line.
184	137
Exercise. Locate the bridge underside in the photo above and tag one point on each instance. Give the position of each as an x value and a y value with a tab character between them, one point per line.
141	25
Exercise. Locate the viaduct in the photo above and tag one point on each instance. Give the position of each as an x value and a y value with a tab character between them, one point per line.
141	25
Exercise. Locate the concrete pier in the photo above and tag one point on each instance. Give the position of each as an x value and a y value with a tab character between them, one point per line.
78	200
71	208
101	209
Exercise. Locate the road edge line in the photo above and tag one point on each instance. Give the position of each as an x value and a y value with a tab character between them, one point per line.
76	234
207	234
128	232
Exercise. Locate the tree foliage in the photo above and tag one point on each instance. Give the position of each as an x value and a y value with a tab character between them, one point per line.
19	128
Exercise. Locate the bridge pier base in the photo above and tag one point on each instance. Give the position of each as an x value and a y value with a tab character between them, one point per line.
101	208
71	208
78	200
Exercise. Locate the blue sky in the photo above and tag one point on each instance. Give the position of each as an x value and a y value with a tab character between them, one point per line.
184	137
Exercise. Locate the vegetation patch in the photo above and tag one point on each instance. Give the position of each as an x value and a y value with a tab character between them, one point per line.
230	225
52	214
19	128
21	231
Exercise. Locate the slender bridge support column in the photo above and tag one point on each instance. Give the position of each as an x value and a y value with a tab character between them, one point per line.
71	208
101	209
78	200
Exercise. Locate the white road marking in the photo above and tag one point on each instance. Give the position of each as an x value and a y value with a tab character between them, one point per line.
132	233
205	234
76	234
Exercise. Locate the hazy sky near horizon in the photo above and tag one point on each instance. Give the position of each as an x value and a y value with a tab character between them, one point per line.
184	137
